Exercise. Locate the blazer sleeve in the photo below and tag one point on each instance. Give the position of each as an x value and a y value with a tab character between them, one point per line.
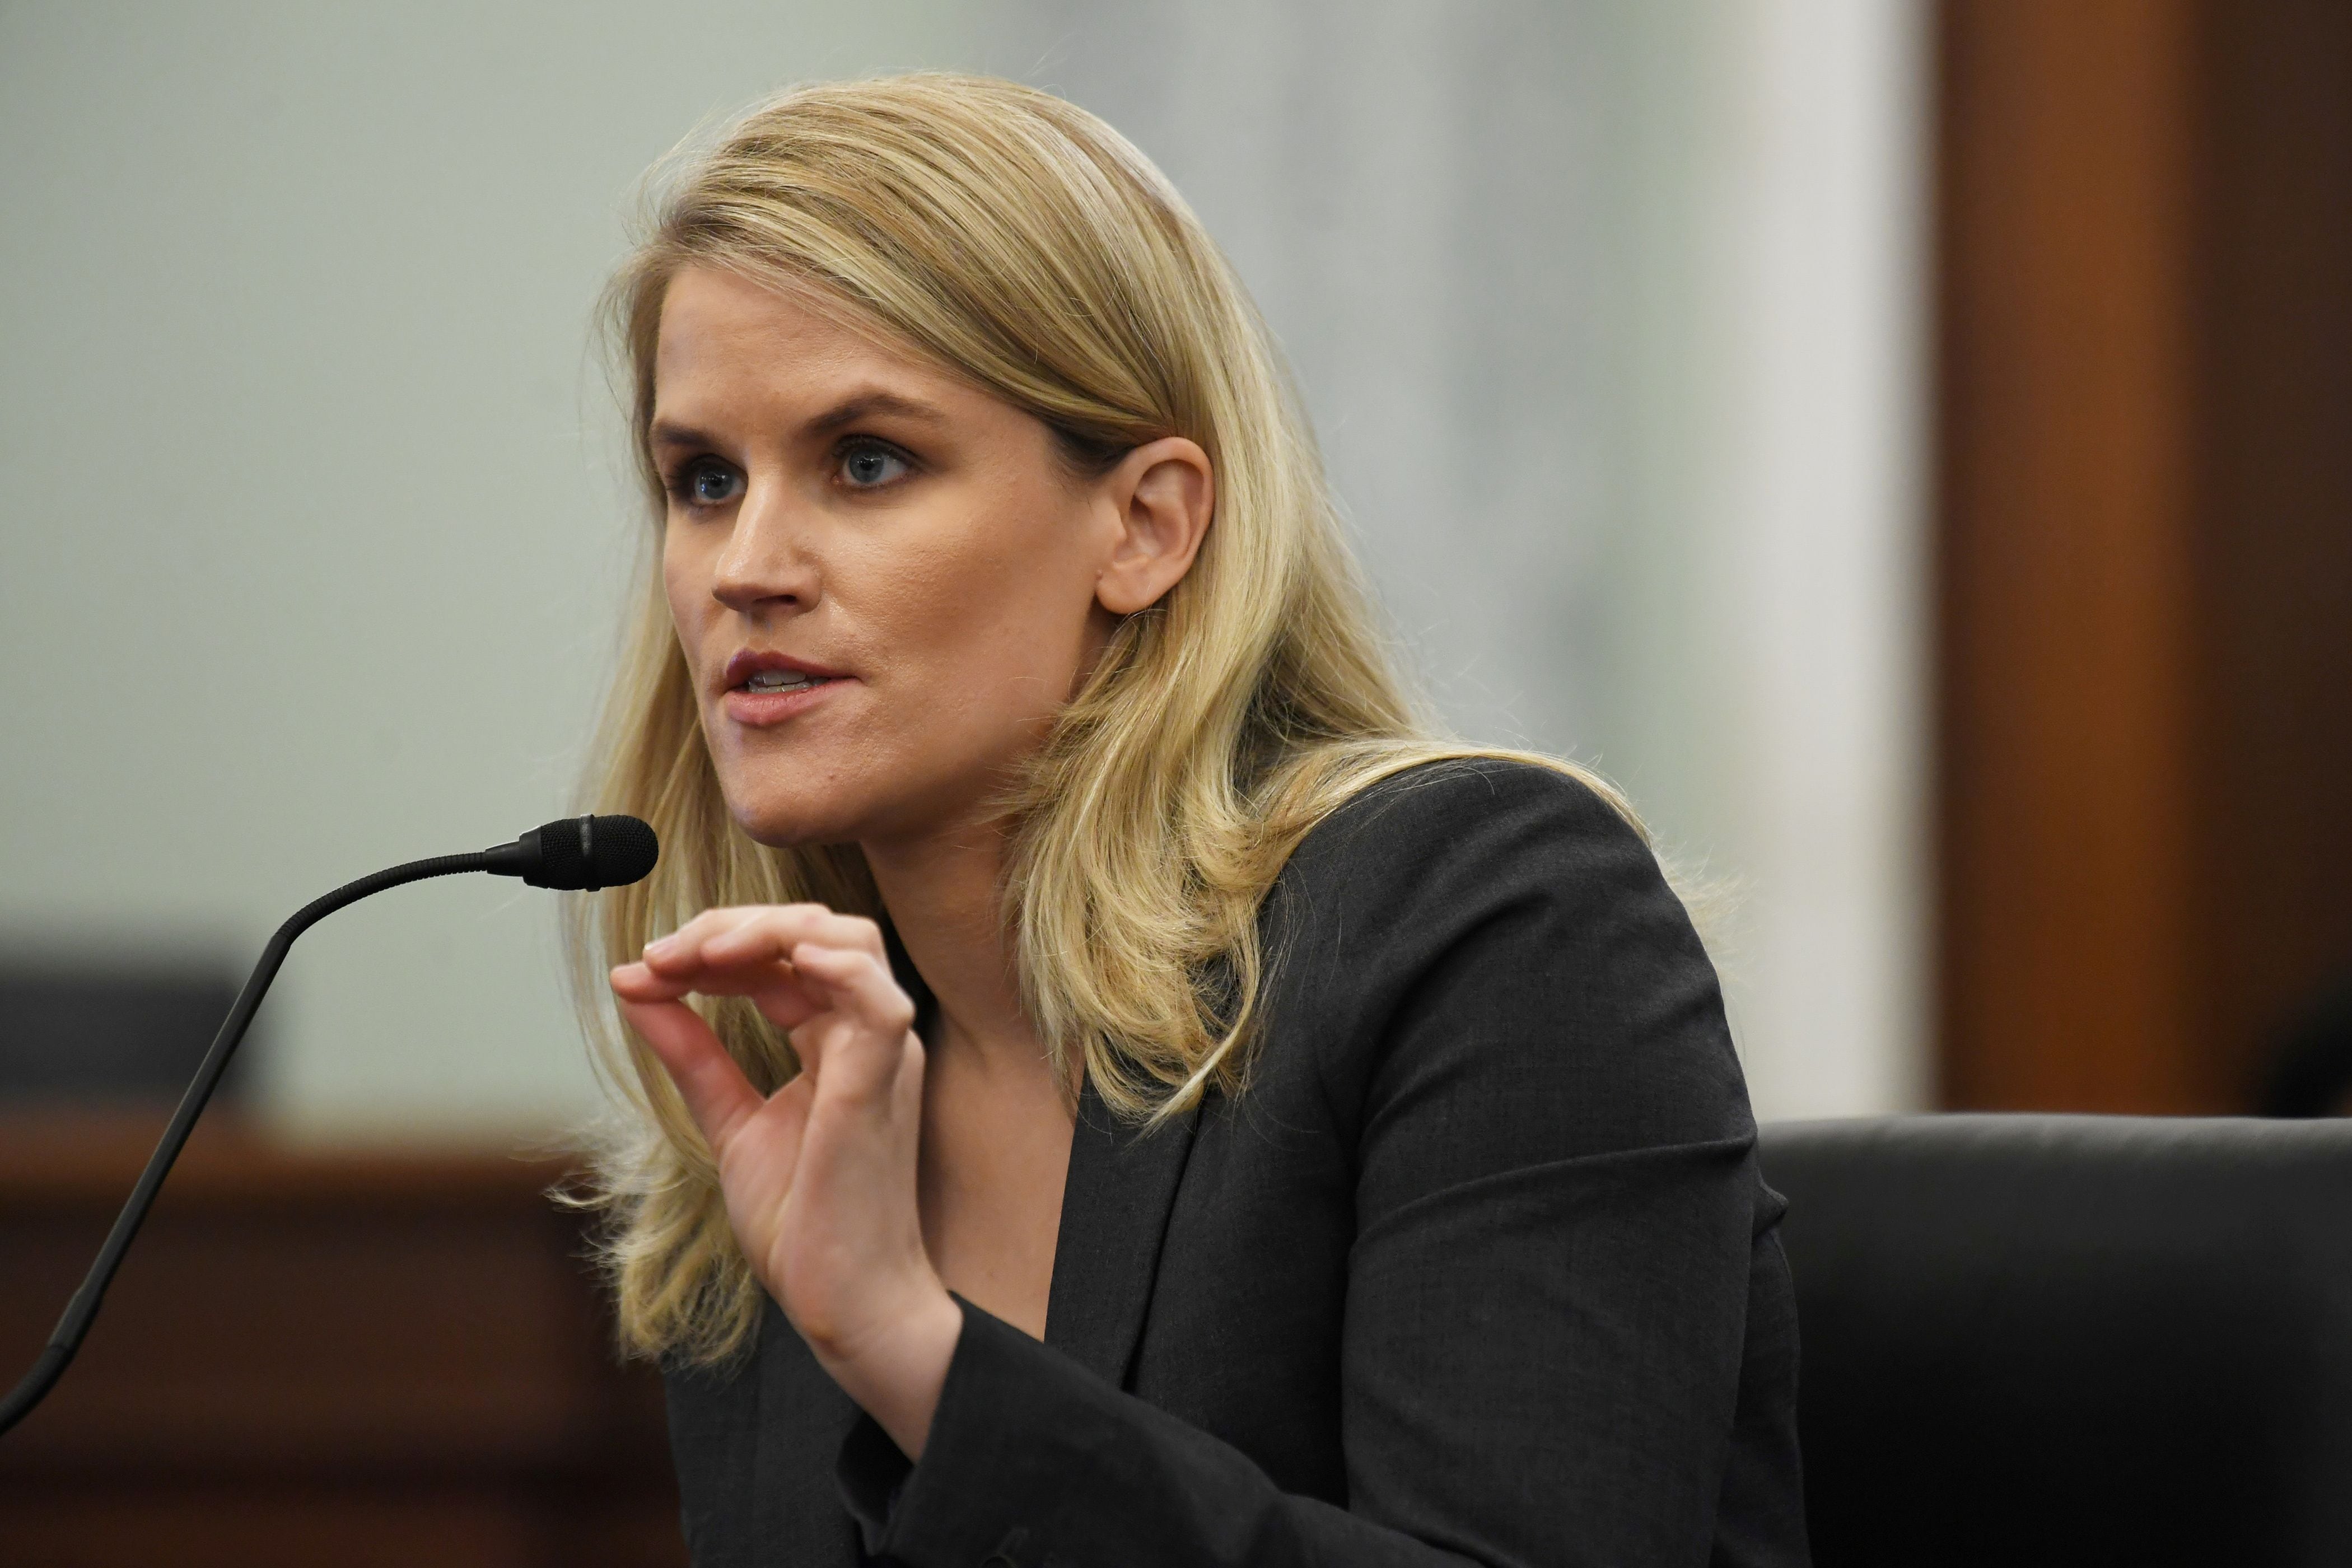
1557	1209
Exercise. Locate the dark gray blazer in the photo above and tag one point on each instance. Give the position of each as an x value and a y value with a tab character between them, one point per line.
1479	1269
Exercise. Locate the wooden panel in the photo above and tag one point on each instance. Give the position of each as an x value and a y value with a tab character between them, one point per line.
320	1356
2145	329
2063	553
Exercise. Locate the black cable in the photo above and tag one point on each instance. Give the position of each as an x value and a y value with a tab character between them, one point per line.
80	1311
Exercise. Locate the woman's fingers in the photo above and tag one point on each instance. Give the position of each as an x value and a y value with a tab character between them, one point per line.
822	977
860	985
749	951
639	982
860	1036
682	949
773	933
728	937
717	1094
773	987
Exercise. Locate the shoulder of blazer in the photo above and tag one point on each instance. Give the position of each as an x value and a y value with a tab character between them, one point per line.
1438	863
1441	846
1461	806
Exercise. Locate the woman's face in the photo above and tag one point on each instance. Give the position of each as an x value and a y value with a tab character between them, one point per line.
885	581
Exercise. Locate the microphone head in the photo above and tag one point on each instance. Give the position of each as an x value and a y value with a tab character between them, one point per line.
585	853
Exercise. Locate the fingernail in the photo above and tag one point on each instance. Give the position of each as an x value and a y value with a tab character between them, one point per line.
664	946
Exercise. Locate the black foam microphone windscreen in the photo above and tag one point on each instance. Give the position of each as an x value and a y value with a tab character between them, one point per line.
579	854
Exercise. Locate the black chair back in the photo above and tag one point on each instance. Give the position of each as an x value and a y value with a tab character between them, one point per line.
2072	1339
114	1034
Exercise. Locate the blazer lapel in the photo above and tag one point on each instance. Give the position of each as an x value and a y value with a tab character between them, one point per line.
799	1521
1115	1206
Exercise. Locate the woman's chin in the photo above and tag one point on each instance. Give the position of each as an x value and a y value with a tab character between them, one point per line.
793	824
870	806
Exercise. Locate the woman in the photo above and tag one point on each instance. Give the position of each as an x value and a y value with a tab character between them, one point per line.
1116	1090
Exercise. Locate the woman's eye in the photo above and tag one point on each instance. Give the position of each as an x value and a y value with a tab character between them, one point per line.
868	467
710	484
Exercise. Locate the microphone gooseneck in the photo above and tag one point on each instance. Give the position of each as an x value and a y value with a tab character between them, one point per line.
582	853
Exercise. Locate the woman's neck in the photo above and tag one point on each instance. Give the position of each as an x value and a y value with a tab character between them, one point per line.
944	896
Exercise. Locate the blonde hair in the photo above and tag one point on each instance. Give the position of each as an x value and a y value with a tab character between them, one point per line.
1024	244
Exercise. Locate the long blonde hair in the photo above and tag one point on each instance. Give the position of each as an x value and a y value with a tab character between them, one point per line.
1021	243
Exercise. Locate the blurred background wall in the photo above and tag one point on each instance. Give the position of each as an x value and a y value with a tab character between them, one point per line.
1610	315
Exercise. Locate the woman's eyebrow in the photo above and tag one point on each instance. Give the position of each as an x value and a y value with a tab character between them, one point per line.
667	433
865	405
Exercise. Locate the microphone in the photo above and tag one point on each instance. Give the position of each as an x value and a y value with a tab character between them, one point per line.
582	854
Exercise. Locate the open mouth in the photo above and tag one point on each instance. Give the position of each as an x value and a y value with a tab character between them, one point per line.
775	680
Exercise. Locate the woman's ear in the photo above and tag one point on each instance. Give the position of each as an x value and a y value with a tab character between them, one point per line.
1163	494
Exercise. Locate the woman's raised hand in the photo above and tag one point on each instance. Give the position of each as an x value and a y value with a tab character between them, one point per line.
820	1176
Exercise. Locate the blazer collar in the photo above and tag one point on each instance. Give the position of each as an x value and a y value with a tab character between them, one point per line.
1115	1206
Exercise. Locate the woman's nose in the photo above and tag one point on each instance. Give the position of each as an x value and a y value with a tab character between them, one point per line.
768	564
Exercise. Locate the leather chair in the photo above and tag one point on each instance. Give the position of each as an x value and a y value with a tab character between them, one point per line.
91	1035
2072	1339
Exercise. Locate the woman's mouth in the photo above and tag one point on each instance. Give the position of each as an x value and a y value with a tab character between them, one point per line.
765	689
771	696
783	681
